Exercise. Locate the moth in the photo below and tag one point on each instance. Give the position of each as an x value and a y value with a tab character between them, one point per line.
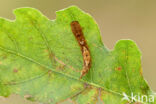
77	31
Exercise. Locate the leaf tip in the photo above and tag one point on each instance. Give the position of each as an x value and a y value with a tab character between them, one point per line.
127	44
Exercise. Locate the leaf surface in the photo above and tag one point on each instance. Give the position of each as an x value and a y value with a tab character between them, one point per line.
41	60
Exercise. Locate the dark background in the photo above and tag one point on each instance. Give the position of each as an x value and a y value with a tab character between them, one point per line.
117	19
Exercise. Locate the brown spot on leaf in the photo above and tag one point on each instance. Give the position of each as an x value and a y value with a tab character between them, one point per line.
118	68
15	70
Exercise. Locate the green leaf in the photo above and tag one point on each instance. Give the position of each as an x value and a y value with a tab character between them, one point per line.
41	60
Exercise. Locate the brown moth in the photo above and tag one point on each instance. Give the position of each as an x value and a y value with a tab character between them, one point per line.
77	31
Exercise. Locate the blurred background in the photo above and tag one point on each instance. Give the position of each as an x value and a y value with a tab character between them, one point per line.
117	19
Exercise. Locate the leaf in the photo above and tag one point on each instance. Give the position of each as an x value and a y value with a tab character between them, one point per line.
41	60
